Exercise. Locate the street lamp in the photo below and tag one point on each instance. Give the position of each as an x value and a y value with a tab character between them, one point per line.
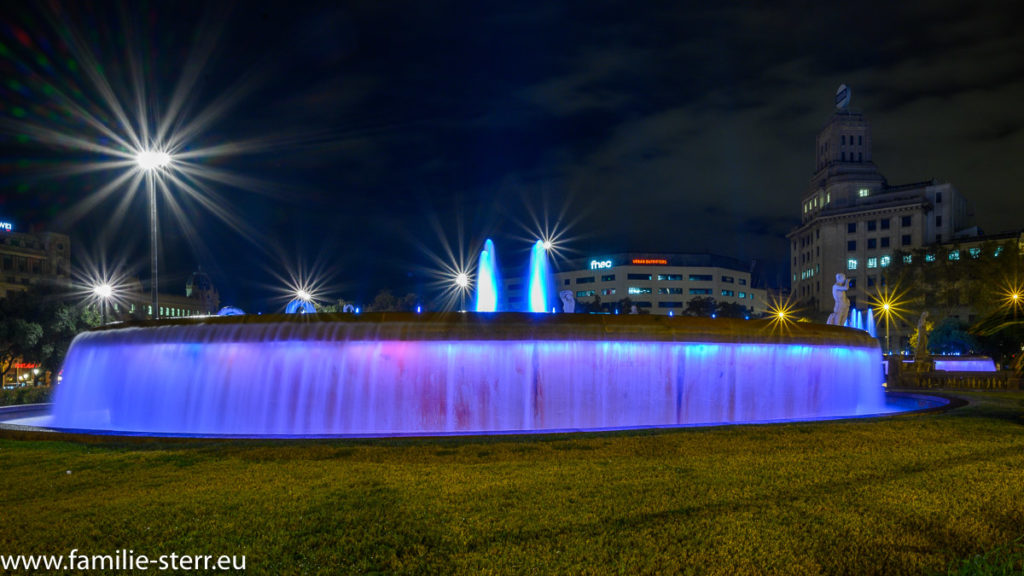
887	304
149	161
103	292
462	282
885	312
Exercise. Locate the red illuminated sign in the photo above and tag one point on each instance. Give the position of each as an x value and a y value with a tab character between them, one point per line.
661	261
25	366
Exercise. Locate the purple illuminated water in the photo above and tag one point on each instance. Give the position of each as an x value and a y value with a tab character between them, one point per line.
964	364
397	374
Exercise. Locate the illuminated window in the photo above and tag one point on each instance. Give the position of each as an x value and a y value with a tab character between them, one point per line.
608	292
670	290
700	277
670	276
635	290
929	257
999	250
886	260
700	291
975	252
908	259
954	254
742	294
863	192
851	264
872	262
828	197
728	293
584	293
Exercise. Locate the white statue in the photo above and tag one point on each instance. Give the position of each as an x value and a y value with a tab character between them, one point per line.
839	313
568	302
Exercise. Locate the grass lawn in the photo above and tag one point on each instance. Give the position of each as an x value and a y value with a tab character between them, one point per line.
898	495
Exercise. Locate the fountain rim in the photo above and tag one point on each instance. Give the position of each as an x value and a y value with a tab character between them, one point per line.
940	403
517	326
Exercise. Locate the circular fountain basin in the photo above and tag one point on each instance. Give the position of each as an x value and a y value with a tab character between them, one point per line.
455	373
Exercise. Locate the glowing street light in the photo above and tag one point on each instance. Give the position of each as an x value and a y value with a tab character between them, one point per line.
103	292
462	284
152	159
149	161
1013	297
887	304
782	313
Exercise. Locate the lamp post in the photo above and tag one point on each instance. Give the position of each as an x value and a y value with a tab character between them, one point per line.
149	161
885	312
462	281
103	292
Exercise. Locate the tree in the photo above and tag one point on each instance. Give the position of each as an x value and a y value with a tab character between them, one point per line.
38	325
17	337
951	337
733	310
701	306
944	280
385	301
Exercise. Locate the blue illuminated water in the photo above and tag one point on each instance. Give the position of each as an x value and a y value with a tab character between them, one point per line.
539	278
487	281
279	378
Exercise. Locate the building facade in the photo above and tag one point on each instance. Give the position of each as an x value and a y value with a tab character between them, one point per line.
853	220
27	259
656	283
131	302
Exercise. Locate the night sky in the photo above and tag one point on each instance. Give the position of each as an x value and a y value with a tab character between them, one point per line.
369	135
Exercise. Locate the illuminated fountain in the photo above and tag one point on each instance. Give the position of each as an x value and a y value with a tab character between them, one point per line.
487	281
450	373
462	373
539	278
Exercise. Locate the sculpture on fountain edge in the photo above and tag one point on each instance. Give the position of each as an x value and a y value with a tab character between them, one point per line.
568	301
842	307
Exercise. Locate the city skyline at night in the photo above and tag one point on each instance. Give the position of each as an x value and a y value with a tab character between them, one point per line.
359	139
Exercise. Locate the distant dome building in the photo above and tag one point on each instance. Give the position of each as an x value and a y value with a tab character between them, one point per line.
199	287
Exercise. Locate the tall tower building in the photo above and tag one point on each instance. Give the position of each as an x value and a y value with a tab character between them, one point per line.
853	220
